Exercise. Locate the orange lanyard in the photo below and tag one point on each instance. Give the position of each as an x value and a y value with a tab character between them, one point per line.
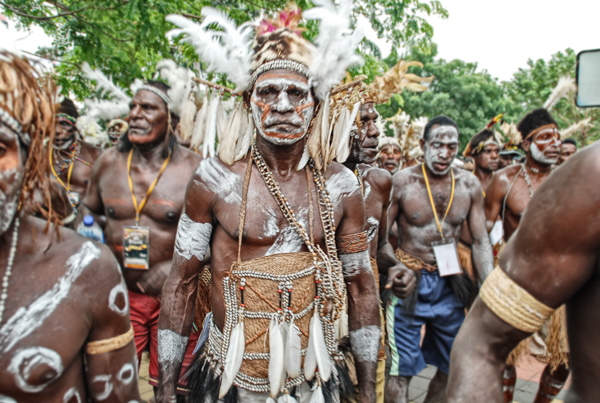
68	185
437	221
138	210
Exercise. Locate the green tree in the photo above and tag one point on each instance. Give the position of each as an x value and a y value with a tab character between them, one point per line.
125	38
531	87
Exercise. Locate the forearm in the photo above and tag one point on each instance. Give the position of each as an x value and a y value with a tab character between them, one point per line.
385	258
483	256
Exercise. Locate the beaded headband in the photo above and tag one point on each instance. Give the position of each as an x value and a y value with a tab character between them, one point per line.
283	64
15	126
69	118
158	92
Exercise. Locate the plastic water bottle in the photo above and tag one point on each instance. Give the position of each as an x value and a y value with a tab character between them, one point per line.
90	229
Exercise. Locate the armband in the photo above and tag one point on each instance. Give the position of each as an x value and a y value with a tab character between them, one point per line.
353	243
513	304
107	345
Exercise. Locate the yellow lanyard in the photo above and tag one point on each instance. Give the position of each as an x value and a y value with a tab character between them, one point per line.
437	221
68	185
138	210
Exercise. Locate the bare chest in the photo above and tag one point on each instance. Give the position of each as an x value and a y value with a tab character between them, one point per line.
417	209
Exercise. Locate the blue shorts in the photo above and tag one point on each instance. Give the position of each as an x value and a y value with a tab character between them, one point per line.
440	311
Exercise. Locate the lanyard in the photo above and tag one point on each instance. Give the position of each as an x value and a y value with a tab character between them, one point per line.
68	185
138	210
437	221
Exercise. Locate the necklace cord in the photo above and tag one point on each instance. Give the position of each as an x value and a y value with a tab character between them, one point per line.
437	221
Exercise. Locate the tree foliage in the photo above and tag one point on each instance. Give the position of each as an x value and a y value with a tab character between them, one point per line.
125	38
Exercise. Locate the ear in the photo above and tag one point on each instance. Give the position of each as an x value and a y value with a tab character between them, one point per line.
422	144
526	145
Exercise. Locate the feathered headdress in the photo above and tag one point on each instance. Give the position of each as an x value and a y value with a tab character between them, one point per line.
575	128
564	87
395	80
511	137
117	103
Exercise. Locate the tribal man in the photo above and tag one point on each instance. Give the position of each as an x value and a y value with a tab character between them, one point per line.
568	147
139	186
376	187
551	260
287	238
72	159
390	154
431	203
65	333
509	194
484	148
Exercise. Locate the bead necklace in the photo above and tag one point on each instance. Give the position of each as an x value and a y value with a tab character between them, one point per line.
8	272
528	181
72	154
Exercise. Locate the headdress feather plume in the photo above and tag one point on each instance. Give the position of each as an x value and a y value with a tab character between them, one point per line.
101	108
564	87
574	128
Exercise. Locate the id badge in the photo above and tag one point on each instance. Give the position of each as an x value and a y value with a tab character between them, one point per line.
446	257
73	200
136	242
497	233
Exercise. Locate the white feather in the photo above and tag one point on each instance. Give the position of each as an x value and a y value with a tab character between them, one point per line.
233	359
228	140
271	400
104	83
210	131
304	159
316	353
338	130
343	149
564	87
574	128
286	399
243	145
226	52
118	103
293	349
317	395
180	81
199	126
336	44
186	120
276	358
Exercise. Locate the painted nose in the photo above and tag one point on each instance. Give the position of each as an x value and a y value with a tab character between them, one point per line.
283	103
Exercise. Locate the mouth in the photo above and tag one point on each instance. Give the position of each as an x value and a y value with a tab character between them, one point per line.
552	154
286	128
441	166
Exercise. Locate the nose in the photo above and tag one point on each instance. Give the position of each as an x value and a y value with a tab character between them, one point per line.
372	130
135	112
283	104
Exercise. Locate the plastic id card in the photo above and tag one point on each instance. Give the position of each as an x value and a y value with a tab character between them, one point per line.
73	200
497	233
446	257
136	241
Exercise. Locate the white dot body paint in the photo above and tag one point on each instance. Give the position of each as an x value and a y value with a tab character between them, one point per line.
171	346
365	343
341	184
356	263
192	238
539	156
288	240
220	180
373	224
282	105
119	289
126	374
444	135
27	319
26	360
108	386
72	396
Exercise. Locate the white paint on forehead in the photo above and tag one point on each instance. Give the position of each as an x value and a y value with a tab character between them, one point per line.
26	360
356	263
365	343
192	238
489	141
282	83
108	386
171	346
126	374
373	229
442	131
223	182
72	393
119	289
288	240
270	225
27	319
340	185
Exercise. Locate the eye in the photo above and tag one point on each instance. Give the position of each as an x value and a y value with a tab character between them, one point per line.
2	151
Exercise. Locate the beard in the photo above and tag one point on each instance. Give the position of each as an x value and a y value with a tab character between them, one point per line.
540	157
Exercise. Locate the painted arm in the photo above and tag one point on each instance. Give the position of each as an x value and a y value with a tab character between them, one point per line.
494	197
179	291
534	259
483	256
363	300
111	376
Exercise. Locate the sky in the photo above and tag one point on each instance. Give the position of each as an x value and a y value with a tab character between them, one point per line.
499	36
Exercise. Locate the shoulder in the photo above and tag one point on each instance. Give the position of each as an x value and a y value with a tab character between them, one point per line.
187	156
341	181
378	178
92	149
406	175
466	177
502	180
108	158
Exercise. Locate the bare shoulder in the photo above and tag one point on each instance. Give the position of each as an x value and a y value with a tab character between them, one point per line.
406	176
341	182
469	180
378	178
188	157
107	158
94	151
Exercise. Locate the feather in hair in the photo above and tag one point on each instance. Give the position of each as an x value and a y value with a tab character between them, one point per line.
276	358
116	107
106	86
313	145
575	128
395	80
293	349
337	133
186	120
226	52
222	119
106	110
233	359
564	87
180	81
343	149
200	125
228	141
243	143
336	44
210	135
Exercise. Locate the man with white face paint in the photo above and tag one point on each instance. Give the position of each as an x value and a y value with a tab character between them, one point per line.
65	334
509	193
287	240
431	203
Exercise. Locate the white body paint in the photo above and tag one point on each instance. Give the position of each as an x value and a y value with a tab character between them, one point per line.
72	393
6	399
288	240
367	189
9	202
270	226
539	156
220	180
192	238
171	346
444	135
341	184
28	359
27	319
373	228
365	343
108	386
356	263
119	289
283	105
127	374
